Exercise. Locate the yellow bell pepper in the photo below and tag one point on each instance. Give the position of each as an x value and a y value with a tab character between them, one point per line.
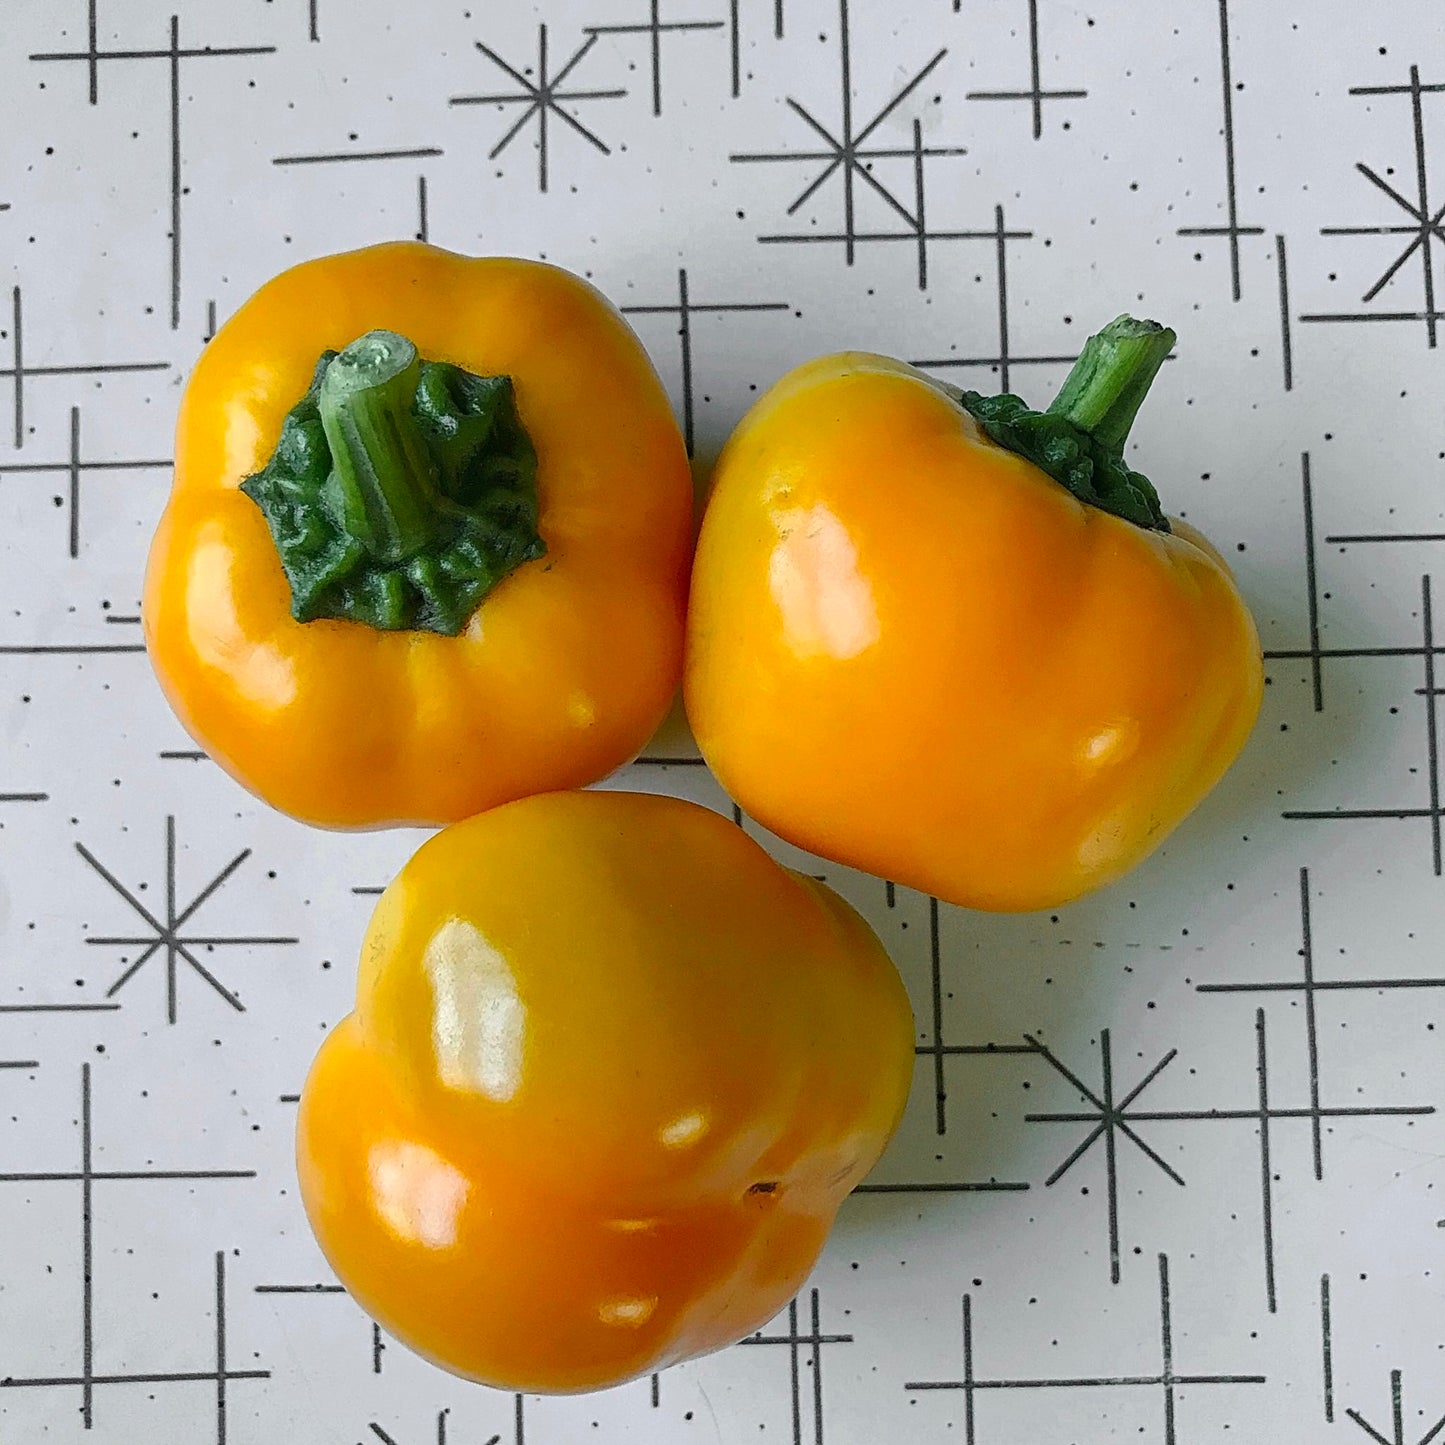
957	643
427	545
611	1072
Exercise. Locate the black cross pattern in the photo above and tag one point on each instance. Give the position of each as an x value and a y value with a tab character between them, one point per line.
220	1375
1427	650
1167	1381
75	468
845	153
1432	811
1036	95
795	1343
1114	1119
1000	235
541	100
1310	987
938	1050
167	936
1231	229
175	54
656	29
20	371
1423	227
684	309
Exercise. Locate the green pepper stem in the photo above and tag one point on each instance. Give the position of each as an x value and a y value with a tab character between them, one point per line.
384	477
1111	378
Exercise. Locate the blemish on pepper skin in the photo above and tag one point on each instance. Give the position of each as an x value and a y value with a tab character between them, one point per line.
581	710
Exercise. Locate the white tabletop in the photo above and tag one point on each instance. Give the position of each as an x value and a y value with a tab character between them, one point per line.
1173	1168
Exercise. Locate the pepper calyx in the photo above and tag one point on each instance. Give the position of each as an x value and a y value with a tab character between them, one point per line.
1079	440
401	491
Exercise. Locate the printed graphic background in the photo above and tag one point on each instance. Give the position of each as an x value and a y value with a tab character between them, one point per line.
1173	1166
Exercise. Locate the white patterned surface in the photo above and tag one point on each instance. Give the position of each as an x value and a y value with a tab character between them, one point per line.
145	194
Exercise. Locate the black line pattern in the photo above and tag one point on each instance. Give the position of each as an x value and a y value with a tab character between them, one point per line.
1281	258
1327	1349
1168	1382
21	370
1397	1427
175	55
87	1176
684	310
1232	230
1426	651
324	158
937	1049
376	1346
807	1423
68	649
1004	359
441	1435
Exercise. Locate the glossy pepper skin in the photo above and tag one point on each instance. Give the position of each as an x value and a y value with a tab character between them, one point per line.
568	663
912	651
611	1072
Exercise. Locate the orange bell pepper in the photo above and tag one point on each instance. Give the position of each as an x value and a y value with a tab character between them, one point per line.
611	1072
443	568
957	643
